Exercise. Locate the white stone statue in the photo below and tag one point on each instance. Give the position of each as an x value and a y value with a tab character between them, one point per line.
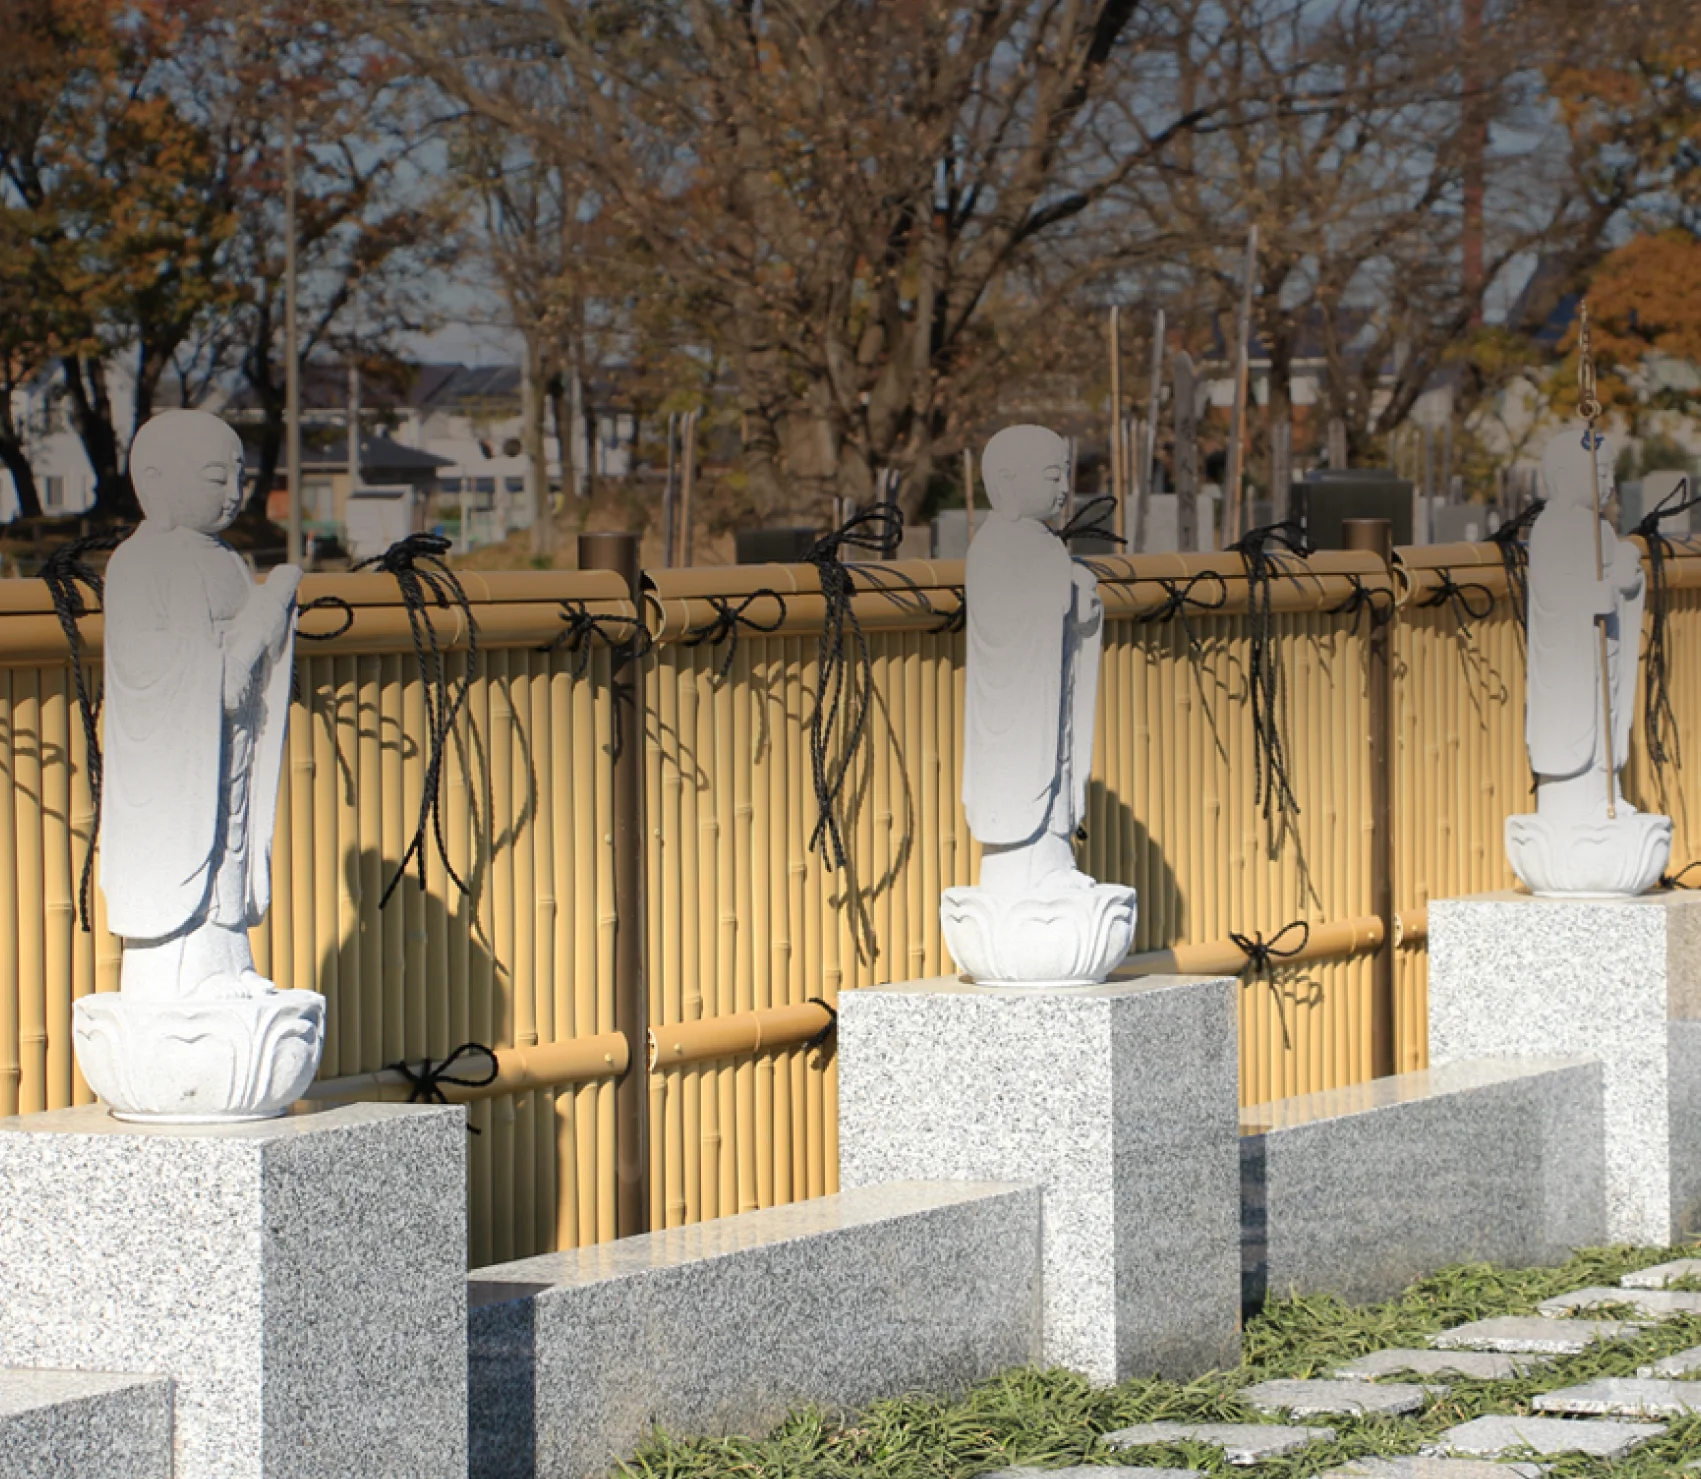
1035	627
197	685
1572	846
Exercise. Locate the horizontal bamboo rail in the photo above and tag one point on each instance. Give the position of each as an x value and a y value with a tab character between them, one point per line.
518	1071
1340	940
744	1032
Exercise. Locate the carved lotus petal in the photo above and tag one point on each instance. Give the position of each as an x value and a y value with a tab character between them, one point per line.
195	1062
1619	858
1065	940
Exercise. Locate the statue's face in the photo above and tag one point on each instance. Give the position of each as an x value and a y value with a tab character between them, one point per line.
200	484
1033	486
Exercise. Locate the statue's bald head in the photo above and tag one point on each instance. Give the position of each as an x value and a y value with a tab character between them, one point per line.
186	467
1026	471
1570	466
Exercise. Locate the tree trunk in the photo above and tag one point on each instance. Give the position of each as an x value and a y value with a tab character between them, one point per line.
91	415
537	459
15	462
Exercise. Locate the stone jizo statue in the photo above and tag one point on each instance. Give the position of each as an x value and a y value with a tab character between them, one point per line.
197	684
1035	628
1585	839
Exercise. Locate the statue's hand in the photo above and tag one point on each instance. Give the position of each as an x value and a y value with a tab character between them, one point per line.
1627	570
282	584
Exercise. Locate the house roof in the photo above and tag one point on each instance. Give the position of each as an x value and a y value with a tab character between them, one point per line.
325	449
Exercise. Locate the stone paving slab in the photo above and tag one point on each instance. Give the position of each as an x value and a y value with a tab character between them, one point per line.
1680	1363
1424	1467
1653	1304
1621	1396
1533	1333
1338	1398
1086	1471
1480	1365
1485	1437
1241	1443
1662	1274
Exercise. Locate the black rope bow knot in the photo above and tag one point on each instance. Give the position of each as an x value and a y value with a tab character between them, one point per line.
727	621
1089	521
1179	597
424	580
1259	952
324	603
581	626
1362	600
1510	539
425	1084
1658	721
842	699
1264	677
1471	600
64	571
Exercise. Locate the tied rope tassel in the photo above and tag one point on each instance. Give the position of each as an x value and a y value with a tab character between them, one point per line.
425	1084
727	621
1510	539
421	585
1658	720
1259	952
1089	520
841	706
1471	601
1264	676
64	570
581	626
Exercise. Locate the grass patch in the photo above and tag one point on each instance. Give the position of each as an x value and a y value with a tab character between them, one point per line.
1051	1419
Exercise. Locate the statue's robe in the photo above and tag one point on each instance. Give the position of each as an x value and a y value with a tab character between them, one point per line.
1032	684
1563	718
167	829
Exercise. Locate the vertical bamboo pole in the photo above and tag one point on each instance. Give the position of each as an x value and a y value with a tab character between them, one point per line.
424	975
592	892
564	884
738	896
342	1042
84	970
540	1104
817	928
392	918
298	821
798	868
342	847
58	910
483	984
621	1164
504	810
700	997
368	760
26	800
675	843
11	910
714	706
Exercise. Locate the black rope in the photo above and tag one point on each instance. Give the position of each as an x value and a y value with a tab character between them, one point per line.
582	626
64	570
1259	952
728	619
324	603
1374	601
1658	720
1089	521
425	1085
842	699
1510	538
423	579
832	1022
953	621
1178	597
1675	880
1471	601
1264	676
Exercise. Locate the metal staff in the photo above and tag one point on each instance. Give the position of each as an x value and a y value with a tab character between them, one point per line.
1589	408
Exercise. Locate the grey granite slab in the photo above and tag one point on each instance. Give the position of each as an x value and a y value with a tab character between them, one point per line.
1650	1304
726	1326
1241	1443
1546	1436
84	1425
1121	1101
1618	980
1679	1363
1480	1365
1662	1274
1532	1333
302	1280
1620	1396
1358	1191
1337	1398
1421	1466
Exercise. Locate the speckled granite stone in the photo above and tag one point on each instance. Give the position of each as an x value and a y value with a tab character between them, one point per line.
1121	1101
1648	1304
1484	1437
302	1280
1618	1396
84	1425
1422	1467
1510	974
728	1325
1532	1333
1662	1274
1681	1363
1478	1365
1241	1443
1359	1191
1338	1398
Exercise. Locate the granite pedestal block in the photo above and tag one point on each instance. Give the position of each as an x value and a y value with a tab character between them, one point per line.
1358	1191
727	1326
84	1425
1618	980
302	1281
1120	1100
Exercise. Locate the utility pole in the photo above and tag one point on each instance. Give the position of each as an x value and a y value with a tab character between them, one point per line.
292	352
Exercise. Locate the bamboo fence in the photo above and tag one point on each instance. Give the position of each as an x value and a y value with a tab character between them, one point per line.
746	930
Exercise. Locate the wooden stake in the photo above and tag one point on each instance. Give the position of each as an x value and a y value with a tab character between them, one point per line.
1118	484
1234	522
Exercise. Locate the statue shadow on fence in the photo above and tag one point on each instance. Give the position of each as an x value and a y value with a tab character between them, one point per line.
1161	903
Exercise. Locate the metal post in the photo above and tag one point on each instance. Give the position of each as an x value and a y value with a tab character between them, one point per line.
1235	522
1186	456
1377	537
1118	489
619	553
292	347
